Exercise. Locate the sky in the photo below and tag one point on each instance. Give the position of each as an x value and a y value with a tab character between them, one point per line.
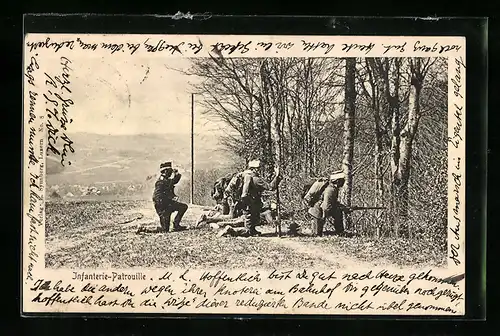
143	95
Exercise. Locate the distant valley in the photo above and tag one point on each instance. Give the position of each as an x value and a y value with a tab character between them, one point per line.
100	159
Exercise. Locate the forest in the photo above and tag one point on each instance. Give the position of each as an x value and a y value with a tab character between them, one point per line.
383	121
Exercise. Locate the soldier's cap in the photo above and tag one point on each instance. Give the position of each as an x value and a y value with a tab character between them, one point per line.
165	165
337	175
254	164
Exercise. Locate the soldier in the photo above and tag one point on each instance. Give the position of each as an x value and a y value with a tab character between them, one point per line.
251	195
218	193
232	194
329	206
165	200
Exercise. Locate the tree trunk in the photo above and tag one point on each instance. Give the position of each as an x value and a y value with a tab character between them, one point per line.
393	102
376	86
407	138
349	127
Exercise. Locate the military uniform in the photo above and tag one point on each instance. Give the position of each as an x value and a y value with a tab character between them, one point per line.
329	206
164	200
251	196
233	193
218	193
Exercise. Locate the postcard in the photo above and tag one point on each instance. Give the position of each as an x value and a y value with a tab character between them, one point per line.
243	175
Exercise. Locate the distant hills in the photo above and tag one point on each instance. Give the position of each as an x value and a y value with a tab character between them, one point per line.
132	158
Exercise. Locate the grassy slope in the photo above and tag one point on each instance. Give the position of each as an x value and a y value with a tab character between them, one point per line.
89	235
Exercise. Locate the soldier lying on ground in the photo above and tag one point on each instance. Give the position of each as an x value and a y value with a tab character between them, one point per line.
216	215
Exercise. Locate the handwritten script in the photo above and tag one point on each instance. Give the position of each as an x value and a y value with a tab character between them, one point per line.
58	106
292	290
194	47
456	175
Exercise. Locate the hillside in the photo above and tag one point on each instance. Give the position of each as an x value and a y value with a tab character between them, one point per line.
105	161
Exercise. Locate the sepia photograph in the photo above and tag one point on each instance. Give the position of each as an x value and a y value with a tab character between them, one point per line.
243	162
220	174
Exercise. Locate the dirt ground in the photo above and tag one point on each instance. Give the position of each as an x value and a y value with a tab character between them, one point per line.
102	234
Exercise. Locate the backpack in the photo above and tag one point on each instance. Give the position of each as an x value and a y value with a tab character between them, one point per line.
315	191
235	186
218	188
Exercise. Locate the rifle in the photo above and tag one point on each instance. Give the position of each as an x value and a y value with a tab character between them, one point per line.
357	208
317	212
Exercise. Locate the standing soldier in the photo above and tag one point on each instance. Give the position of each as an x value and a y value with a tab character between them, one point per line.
329	206
165	200
251	195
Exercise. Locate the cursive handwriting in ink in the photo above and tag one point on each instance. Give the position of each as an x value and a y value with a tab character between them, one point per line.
166	276
212	303
86	46
114	47
400	47
32	115
47	44
162	45
361	47
426	276
158	290
457	180
196	47
312	289
365	305
223	290
241	47
102	302
418	305
46	285
133	47
301	302
57	108
67	145
222	276
438	293
32	158
177	302
457	138
30	69
457	78
259	304
312	46
59	299
265	45
194	289
116	289
283	275
454	248
419	46
35	221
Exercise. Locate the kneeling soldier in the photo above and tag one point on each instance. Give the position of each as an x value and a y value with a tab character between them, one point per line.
165	200
329	206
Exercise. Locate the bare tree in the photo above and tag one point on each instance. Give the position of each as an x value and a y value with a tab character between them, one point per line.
349	124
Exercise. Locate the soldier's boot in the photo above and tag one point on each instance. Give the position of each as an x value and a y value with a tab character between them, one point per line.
254	232
321	224
178	226
181	210
164	223
317	228
338	223
202	220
